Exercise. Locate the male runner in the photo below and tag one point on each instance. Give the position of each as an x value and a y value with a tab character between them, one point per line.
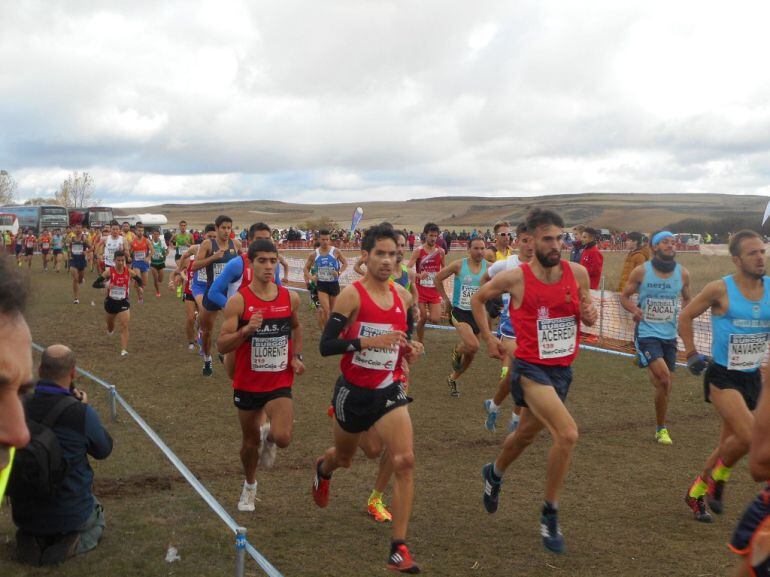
158	253
740	328
467	272
141	254
126	232
19	246
45	248
369	327
183	277
30	242
212	256
330	264
659	282
181	241
505	330
427	262
549	299
402	274
116	303
57	244
262	329
112	244
79	246
502	247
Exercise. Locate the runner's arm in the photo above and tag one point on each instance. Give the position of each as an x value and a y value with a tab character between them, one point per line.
218	291
357	267
296	334
202	256
501	283
285	266
232	336
445	273
308	265
708	297
632	287
686	293
343	263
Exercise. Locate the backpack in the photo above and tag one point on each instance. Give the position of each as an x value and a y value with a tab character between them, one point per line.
39	468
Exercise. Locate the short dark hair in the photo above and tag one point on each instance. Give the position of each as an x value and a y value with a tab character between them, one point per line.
182	222
474	239
592	231
222	219
138	224
538	217
378	232
256	227
14	288
115	223
54	367
501	224
323	232
735	241
119	253
521	228
261	245
431	227
635	236
210	227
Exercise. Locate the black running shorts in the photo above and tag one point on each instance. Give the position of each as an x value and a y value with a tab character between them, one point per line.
747	384
251	401
357	409
560	378
114	307
330	288
462	316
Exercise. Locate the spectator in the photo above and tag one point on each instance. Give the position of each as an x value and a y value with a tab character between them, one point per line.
577	245
636	256
15	364
410	240
591	257
53	529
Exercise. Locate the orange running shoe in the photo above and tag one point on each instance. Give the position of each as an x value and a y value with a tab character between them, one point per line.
401	560
378	510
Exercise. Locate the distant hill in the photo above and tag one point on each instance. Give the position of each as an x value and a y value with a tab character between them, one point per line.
644	212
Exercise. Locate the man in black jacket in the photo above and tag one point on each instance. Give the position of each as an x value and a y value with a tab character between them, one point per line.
50	530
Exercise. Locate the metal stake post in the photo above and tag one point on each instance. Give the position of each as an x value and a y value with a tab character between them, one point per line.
601	313
240	551
113	404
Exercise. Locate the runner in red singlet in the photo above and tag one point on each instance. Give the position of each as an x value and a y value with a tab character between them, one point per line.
427	262
370	327
262	327
116	303
549	299
183	275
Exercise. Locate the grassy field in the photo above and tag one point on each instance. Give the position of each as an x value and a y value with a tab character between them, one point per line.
622	508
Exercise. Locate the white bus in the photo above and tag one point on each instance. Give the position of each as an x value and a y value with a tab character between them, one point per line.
38	218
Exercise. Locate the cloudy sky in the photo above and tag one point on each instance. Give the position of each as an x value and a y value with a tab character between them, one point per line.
349	99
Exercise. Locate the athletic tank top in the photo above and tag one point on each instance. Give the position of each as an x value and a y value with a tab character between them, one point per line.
403	280
30	241
189	277
77	248
111	246
263	361
326	265
466	285
741	335
158	253
45	242
214	269
429	263
58	241
119	284
182	241
547	321
140	248
374	368
659	301
505	316
502	255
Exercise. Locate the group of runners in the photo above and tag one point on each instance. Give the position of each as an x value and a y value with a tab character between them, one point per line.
519	298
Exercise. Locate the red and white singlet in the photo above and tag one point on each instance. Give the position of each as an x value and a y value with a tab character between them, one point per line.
429	263
119	284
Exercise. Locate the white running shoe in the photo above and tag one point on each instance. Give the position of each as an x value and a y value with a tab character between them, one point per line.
248	496
268	450
191	346
76	302
124	353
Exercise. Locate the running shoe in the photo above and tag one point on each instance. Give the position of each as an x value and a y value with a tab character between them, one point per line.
141	301
179	291
514	424
207	370
267	450
489	423
457	360
157	294
320	486
698	509
491	488
401	560
453	391
124	353
191	346
662	437
76	302
248	497
714	495
378	510
551	533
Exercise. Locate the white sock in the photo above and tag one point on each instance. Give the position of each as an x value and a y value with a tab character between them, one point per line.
247	485
515	418
207	358
492	406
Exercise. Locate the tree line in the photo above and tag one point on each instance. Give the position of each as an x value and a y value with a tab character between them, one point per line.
76	191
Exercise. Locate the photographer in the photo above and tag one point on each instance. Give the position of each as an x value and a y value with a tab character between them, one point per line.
54	528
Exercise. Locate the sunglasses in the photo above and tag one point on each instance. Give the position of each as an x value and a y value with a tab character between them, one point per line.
504	234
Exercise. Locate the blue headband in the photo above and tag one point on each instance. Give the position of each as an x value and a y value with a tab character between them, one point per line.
660	236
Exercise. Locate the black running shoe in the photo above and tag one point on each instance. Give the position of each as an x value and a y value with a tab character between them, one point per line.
491	488
714	495
207	370
551	533
453	390
698	509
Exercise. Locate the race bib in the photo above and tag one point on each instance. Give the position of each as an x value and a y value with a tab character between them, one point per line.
376	359
139	255
326	274
118	293
218	268
429	280
746	352
466	292
180	250
202	276
46	246
659	310
269	354
77	249
556	337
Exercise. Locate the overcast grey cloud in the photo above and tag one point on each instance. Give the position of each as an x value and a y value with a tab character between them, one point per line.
338	100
